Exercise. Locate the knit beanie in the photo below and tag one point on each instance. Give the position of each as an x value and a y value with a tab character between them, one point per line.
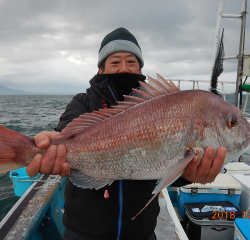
120	40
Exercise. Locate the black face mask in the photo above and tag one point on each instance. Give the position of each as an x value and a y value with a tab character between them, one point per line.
122	83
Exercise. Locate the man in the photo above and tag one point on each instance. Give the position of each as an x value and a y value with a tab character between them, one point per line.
105	214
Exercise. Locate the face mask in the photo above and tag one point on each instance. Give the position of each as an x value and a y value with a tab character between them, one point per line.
122	83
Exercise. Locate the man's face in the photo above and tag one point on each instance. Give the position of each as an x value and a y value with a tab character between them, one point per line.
121	62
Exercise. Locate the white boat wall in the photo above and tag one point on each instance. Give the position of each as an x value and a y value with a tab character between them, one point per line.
38	213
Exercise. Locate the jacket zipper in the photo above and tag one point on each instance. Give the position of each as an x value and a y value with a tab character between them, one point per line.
120	211
120	190
112	93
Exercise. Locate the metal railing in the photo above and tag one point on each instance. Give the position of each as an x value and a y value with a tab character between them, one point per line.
195	85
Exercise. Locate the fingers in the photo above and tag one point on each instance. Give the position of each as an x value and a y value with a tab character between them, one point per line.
42	139
65	170
190	170
205	165
53	160
209	167
53	163
216	165
59	159
48	160
34	167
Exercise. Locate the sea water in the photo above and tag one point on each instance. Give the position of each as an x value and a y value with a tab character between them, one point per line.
29	115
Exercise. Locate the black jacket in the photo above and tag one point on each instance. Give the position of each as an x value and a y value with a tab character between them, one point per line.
87	211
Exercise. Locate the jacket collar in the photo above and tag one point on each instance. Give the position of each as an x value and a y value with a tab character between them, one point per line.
111	87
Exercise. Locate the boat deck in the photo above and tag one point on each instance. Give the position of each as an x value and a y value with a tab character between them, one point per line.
34	220
168	224
37	216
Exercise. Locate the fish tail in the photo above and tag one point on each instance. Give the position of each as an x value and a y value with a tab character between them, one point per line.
12	145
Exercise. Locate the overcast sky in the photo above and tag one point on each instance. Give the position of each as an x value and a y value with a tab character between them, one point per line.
52	46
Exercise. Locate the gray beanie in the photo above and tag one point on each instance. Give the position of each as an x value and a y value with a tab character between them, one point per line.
120	40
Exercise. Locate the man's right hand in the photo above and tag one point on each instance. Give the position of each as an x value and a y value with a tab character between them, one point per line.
53	162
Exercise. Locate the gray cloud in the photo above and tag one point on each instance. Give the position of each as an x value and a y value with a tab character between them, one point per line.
53	45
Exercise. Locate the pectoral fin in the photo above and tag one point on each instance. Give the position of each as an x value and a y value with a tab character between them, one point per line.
171	175
80	180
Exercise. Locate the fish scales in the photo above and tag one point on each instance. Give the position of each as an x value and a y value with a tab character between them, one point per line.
123	150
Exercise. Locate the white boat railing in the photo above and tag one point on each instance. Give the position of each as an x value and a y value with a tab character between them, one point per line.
221	90
196	85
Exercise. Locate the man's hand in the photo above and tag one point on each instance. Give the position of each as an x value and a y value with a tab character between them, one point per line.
209	167
53	162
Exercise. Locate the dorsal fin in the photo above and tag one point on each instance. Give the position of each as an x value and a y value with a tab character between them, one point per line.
141	94
133	99
149	89
157	85
101	113
131	104
153	89
167	84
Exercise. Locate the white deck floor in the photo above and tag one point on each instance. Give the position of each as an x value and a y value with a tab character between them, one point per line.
168	224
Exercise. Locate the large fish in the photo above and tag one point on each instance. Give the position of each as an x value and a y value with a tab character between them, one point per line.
153	134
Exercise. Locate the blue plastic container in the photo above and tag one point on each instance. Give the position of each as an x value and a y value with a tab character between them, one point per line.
172	191
224	188
242	229
19	178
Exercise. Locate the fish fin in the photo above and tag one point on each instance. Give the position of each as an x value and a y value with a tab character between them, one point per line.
173	173
100	114
79	124
161	181
155	88
133	99
86	120
147	91
10	149
109	112
141	94
162	85
157	85
80	180
131	104
168	84
10	166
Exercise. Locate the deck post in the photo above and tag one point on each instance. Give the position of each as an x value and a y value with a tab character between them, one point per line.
241	53
217	33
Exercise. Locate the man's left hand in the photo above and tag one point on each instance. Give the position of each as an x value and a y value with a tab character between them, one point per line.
209	167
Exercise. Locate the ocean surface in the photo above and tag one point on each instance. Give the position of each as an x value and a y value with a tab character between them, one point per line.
29	115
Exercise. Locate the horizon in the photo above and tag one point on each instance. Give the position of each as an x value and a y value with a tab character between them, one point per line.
54	47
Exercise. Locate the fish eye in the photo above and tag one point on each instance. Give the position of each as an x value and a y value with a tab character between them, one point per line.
232	121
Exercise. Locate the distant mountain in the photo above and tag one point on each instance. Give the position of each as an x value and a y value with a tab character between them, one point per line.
6	90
